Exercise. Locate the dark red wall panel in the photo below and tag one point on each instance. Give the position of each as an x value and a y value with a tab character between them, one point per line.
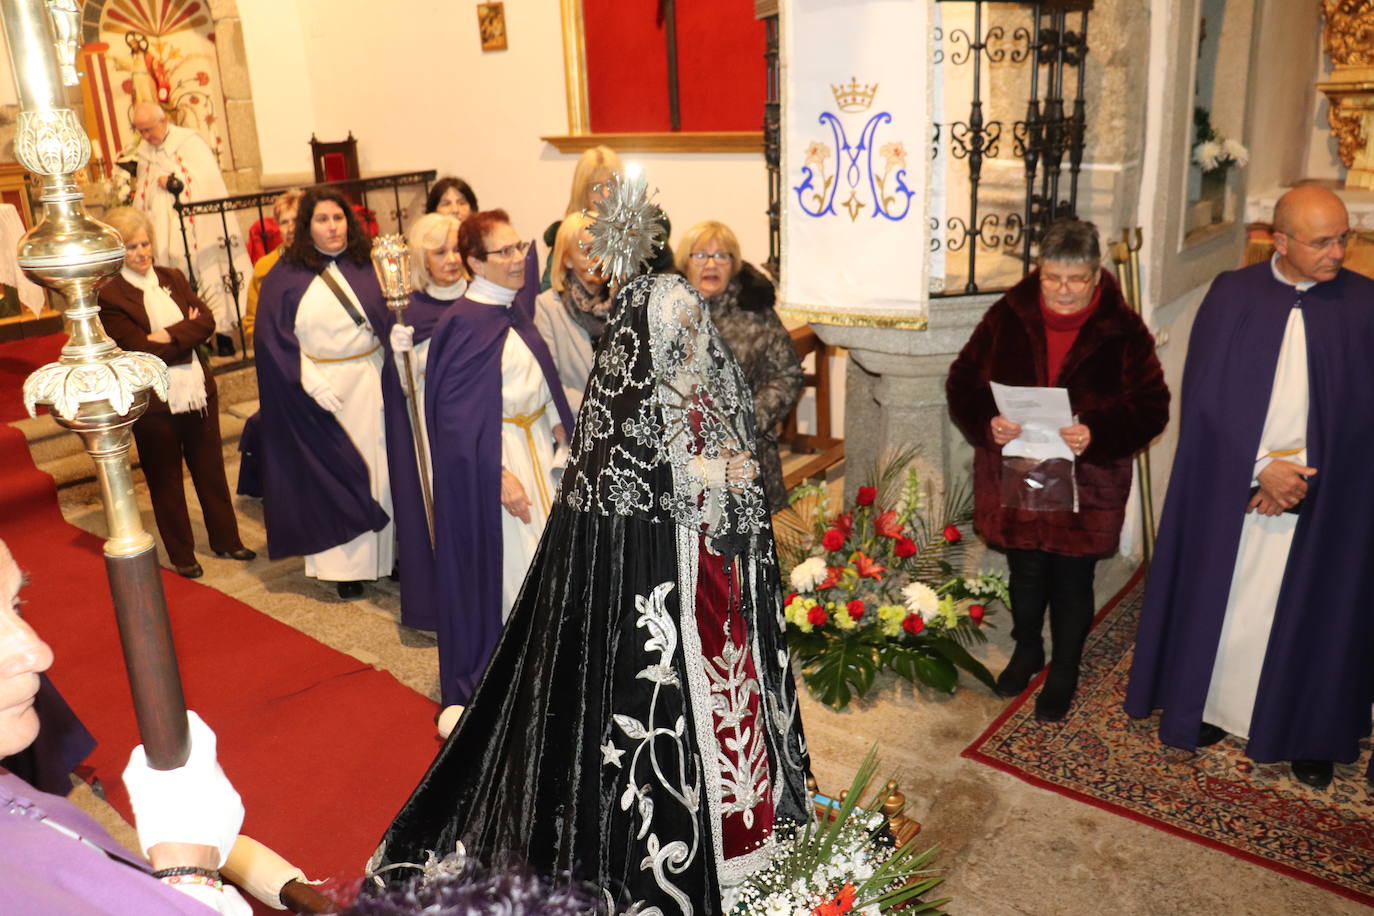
720	65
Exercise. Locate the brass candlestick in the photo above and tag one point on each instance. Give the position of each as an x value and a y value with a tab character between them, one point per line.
391	261
1126	254
95	389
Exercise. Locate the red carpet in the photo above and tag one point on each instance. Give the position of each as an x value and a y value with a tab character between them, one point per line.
17	359
323	748
1219	797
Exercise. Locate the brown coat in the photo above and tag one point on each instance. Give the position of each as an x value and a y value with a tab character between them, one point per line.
126	320
1116	388
166	440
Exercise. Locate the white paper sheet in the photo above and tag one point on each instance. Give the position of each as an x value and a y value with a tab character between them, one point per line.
1041	413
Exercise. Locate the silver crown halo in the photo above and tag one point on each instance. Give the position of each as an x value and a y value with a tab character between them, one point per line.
626	231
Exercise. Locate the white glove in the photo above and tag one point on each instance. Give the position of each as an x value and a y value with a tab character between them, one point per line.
195	803
402	338
326	397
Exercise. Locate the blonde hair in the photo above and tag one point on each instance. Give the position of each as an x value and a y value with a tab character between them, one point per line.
426	234
128	220
287	200
598	157
568	231
704	233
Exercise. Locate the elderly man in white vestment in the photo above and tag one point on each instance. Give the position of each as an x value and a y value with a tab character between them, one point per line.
169	149
1256	621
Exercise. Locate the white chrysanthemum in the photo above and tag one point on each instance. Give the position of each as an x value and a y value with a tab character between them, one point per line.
1208	155
1236	151
807	574
921	599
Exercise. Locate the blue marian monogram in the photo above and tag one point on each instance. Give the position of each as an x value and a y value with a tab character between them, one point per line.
822	170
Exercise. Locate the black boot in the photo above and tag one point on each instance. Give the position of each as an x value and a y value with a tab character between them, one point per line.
1026	661
1029	587
1071	616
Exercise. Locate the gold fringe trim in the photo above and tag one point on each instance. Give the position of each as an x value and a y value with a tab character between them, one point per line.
818	315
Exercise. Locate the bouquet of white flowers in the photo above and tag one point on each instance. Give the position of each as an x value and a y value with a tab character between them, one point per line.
842	862
1211	150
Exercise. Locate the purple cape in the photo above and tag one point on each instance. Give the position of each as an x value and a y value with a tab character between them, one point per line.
415	555
463	413
45	871
423	314
1317	682
315	485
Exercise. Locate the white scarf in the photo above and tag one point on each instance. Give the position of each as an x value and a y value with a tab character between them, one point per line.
186	382
447	293
488	293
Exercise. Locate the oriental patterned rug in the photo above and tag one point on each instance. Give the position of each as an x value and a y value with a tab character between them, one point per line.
1219	797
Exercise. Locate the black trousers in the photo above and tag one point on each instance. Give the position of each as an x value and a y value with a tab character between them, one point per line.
1041	579
164	441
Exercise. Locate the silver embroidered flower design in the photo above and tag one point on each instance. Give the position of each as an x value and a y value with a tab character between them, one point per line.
744	770
627	492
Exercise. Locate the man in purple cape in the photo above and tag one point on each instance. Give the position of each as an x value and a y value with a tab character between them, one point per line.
315	484
1308	687
463	414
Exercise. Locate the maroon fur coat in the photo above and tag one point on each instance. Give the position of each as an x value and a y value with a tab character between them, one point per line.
1116	388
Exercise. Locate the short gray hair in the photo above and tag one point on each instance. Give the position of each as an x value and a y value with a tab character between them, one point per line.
1072	241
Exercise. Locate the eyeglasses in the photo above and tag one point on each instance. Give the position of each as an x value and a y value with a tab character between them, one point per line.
721	256
1072	284
510	251
1335	241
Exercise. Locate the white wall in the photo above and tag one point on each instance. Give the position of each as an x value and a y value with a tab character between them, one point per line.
416	90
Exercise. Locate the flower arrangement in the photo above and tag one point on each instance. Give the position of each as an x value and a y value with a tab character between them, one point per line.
1212	151
874	587
842	862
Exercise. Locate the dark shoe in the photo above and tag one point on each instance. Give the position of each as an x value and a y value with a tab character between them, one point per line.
1209	734
190	572
1315	773
1026	662
224	345
350	589
243	553
1056	697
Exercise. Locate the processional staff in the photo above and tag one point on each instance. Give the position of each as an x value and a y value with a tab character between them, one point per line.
95	389
391	261
1126	254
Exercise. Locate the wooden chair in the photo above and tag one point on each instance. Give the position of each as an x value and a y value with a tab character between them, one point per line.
824	449
335	161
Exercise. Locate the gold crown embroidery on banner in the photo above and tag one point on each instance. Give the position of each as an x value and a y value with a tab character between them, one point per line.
854	97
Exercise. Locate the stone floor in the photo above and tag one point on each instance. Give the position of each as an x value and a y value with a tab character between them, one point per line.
1006	847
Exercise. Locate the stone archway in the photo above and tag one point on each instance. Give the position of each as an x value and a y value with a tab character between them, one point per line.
205	87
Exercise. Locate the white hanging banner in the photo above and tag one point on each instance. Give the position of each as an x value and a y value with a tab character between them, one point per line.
855	161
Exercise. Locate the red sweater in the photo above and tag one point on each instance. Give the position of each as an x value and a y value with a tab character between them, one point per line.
1062	330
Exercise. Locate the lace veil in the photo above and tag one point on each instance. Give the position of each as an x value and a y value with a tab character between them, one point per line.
666	429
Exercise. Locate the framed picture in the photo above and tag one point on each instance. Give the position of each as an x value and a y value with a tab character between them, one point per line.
491	25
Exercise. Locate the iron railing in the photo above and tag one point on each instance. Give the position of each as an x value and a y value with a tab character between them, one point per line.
1041	46
355	189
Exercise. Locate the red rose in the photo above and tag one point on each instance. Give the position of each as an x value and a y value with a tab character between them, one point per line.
816	616
913	624
845	523
953	534
905	547
787	602
855	608
866	496
833	539
975	613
